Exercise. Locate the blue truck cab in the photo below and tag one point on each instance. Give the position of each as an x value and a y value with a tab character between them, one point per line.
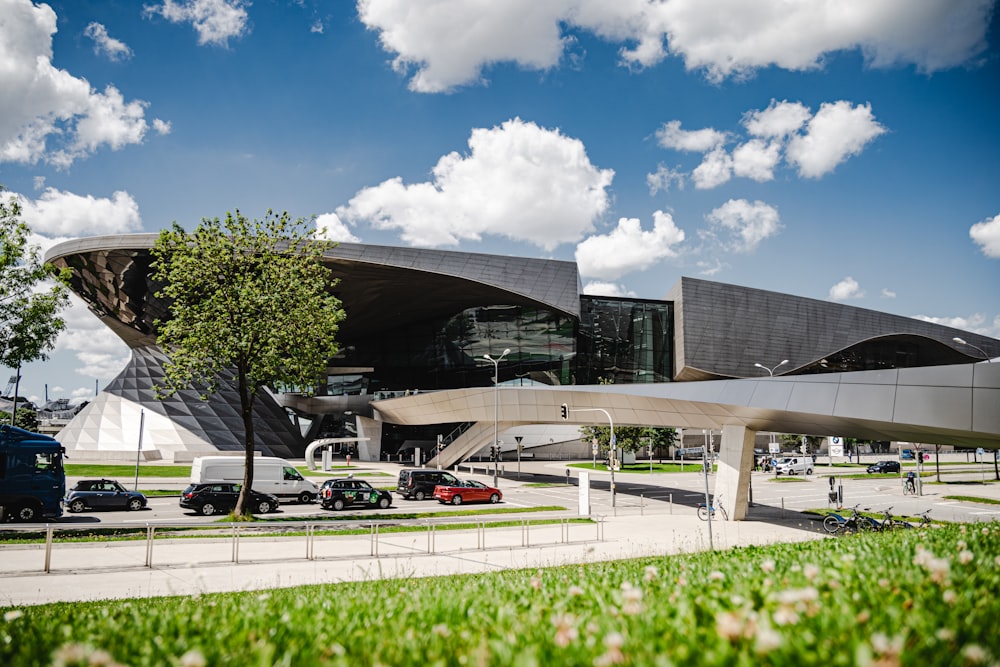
32	477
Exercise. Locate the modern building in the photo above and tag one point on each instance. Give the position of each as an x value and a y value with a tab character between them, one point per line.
420	322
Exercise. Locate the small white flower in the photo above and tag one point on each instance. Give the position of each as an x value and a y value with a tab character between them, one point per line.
767	566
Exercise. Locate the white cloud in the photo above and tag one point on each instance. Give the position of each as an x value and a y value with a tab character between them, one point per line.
835	133
987	235
848	288
975	323
888	293
628	248
42	104
215	21
63	214
715	169
447	43
100	352
519	181
670	135
756	160
663	178
331	227
599	288
745	223
105	44
778	120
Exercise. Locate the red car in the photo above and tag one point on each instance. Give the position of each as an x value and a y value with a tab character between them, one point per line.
467	491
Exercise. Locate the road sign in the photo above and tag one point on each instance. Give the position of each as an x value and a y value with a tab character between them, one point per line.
773	448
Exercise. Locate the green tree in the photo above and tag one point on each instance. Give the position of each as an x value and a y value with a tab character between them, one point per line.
629	438
250	298
25	418
29	308
812	442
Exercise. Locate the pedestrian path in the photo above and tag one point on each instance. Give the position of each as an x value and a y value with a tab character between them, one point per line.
99	571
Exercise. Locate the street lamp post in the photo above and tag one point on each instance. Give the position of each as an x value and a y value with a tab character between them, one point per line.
773	442
980	350
496	411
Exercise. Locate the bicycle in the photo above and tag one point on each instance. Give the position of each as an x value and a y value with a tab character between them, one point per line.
703	511
835	523
910	484
887	522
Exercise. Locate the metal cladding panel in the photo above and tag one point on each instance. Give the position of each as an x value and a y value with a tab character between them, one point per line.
865	401
940	407
938	376
986	410
814	397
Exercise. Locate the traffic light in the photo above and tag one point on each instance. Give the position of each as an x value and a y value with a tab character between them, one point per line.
564	411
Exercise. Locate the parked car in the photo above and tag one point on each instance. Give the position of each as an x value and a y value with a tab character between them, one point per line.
419	483
336	494
211	498
467	491
884	466
102	494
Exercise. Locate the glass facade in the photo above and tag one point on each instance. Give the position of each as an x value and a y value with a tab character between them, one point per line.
447	353
624	341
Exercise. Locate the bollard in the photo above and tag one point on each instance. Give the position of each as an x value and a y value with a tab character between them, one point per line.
48	548
642	503
782	506
567	476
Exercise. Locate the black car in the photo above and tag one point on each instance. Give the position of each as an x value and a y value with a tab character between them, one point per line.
884	466
336	494
102	494
214	497
419	483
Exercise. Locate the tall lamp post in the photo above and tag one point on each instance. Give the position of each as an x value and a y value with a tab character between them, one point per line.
770	371
980	350
496	411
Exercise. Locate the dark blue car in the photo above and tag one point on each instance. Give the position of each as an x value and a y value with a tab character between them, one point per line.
102	494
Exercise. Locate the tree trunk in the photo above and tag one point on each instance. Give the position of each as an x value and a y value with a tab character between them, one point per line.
246	409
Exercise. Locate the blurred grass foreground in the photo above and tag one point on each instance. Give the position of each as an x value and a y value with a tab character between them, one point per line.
915	597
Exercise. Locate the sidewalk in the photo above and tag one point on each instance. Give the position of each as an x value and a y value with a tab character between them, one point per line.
98	571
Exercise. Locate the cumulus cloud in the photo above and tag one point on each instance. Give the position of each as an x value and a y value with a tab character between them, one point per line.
100	352
63	214
600	288
518	180
105	44
756	159
215	21
888	293
743	224
778	120
715	169
330	226
848	288
628	248
835	133
663	178
670	135
814	144
987	235
46	113
448	43
975	323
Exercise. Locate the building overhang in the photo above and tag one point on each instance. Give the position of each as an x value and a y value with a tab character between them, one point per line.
954	405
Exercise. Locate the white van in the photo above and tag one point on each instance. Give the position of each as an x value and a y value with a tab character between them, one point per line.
270	475
795	465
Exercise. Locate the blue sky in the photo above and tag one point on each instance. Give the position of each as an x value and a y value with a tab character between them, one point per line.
841	151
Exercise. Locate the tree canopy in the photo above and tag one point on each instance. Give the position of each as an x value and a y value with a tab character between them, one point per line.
249	298
29	304
629	438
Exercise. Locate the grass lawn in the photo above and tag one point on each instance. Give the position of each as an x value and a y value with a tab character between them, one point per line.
642	467
907	598
99	470
974	499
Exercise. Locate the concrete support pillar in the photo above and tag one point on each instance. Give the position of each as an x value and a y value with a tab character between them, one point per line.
370	449
735	465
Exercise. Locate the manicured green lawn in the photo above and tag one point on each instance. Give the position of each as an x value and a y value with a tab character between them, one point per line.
924	597
642	467
123	472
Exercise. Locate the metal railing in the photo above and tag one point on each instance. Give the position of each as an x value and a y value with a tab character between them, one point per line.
370	536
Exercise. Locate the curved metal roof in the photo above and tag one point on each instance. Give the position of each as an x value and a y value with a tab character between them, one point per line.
381	286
